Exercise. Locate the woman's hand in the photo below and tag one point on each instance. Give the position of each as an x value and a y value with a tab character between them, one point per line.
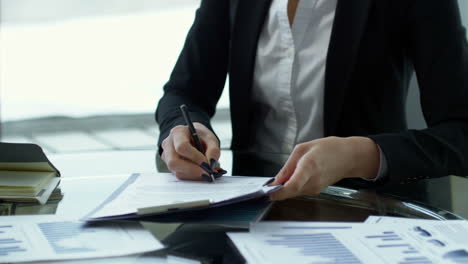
183	159
314	165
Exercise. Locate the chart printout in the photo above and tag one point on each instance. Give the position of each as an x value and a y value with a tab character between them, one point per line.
40	238
353	243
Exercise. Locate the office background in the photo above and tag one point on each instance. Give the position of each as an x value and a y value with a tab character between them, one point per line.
92	71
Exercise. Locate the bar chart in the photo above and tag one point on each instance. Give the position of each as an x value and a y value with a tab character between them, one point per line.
322	245
410	242
395	249
60	234
47	238
9	242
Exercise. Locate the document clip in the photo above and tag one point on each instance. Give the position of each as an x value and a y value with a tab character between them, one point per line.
172	207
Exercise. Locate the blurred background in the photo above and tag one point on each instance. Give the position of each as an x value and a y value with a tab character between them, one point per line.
86	75
79	75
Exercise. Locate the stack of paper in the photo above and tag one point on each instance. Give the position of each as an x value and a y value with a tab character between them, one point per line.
388	241
26	174
162	193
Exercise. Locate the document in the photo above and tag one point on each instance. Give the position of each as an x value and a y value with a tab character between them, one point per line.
44	238
299	242
158	193
409	243
372	219
133	259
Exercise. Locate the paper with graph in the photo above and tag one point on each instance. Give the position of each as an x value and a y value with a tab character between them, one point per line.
409	243
44	238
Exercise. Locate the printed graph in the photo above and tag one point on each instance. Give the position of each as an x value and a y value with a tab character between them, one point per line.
323	245
9	244
62	236
391	245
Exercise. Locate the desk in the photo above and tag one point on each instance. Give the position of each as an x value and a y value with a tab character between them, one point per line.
88	178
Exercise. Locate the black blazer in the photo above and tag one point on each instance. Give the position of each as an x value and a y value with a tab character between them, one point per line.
374	47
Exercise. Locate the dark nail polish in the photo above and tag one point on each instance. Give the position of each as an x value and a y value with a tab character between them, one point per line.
207	178
270	181
217	175
212	163
222	171
206	167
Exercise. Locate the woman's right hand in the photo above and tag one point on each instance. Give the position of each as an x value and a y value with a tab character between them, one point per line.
184	160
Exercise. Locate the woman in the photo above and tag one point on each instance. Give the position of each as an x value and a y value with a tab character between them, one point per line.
324	81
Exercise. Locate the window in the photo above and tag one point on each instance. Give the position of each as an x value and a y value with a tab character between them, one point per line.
87	71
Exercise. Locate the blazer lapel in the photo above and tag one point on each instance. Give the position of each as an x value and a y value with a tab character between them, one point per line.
249	19
348	27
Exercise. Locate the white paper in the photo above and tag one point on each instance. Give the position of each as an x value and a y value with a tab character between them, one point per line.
163	189
447	239
412	242
373	219
41	238
179	260
300	242
132	259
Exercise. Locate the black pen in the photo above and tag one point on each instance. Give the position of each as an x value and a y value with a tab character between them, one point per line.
193	133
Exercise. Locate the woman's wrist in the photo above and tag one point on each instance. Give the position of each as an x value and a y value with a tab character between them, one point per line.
365	158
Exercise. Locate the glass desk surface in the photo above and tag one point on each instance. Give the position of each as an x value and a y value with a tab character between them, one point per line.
88	178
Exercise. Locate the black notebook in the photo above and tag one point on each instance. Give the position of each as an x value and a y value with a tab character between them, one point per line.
26	174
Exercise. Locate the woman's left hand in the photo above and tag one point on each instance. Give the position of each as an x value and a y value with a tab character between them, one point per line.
314	165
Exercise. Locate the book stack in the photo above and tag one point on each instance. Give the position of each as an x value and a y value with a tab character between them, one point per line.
26	174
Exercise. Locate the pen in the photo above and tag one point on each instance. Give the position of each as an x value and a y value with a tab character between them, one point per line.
193	132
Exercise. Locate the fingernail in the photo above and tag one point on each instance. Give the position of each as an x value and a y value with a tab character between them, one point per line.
206	167
217	175
270	181
221	171
207	178
212	163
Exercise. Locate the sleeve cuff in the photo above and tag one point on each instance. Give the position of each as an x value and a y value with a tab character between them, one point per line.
382	172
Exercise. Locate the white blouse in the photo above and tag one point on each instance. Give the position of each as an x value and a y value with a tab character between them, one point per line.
289	76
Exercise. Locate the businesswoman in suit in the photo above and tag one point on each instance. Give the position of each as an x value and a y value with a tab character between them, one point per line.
325	82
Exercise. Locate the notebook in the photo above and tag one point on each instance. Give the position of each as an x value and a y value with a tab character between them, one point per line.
26	174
